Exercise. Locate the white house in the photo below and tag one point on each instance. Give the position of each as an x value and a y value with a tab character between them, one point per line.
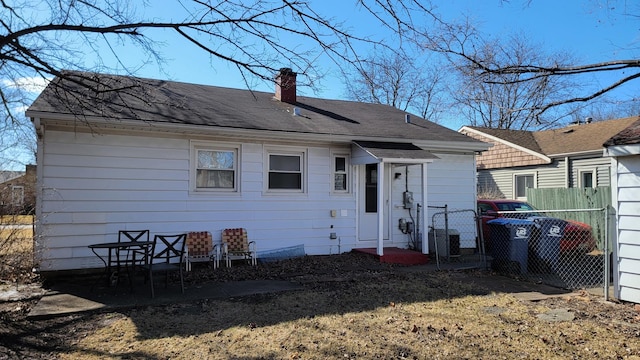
174	157
624	149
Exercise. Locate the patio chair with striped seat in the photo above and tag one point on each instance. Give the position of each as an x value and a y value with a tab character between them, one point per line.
200	248
236	246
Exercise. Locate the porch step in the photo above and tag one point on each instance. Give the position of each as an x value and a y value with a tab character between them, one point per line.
394	255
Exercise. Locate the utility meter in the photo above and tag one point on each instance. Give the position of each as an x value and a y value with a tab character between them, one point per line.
407	199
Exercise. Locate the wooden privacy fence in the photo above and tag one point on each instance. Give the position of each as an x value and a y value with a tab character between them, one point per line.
571	198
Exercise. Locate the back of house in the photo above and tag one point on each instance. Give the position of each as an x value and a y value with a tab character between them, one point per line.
170	157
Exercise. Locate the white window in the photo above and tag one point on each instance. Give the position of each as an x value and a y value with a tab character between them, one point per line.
17	195
586	179
341	173
522	183
215	168
285	171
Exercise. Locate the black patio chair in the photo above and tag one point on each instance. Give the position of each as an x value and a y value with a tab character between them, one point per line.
167	256
131	257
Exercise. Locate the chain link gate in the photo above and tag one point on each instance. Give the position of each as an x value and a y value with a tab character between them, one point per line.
453	238
562	248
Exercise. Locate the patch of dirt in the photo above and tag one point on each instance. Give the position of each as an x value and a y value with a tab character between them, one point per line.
339	274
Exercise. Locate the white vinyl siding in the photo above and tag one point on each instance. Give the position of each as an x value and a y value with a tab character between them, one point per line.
627	203
95	186
451	181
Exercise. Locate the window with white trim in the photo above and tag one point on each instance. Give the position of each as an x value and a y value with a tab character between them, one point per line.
216	168
285	171
340	173
522	183
17	195
586	179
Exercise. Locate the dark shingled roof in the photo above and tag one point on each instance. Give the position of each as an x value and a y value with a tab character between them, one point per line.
395	150
158	101
628	136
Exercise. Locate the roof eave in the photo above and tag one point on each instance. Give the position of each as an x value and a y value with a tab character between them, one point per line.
621	150
434	145
508	143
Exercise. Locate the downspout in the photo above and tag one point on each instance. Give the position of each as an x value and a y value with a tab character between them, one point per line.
425	211
567	173
381	214
37	238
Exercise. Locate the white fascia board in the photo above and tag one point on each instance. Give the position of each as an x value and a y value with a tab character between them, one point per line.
515	146
451	146
622	150
407	161
589	153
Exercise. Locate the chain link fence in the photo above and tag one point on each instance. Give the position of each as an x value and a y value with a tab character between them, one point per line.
453	239
561	248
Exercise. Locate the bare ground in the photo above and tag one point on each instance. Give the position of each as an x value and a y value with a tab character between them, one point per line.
352	307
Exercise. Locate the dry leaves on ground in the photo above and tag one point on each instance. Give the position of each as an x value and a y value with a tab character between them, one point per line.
351	307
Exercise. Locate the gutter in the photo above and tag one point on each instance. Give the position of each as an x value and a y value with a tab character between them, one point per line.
255	134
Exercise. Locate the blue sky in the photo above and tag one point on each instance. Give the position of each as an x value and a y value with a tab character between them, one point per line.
583	28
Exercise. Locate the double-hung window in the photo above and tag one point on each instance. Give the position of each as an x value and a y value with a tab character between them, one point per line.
285	171
216	168
522	183
340	173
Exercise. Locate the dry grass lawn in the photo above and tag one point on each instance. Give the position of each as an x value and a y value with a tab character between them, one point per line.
375	321
350	307
16	248
16	240
355	308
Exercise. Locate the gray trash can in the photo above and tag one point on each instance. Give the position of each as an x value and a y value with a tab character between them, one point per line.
545	247
510	243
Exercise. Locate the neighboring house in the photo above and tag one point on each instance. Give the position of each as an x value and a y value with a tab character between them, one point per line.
624	150
17	191
568	157
174	157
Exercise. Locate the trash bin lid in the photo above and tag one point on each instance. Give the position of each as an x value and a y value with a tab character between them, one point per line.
540	219
510	221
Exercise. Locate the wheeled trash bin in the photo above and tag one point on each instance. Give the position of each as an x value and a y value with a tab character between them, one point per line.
545	247
510	243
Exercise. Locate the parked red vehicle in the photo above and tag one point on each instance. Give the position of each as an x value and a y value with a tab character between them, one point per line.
578	236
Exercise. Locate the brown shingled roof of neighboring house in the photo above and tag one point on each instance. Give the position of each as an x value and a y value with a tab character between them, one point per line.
567	140
522	138
580	138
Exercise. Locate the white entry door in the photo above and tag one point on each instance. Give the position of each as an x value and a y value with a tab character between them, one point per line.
368	203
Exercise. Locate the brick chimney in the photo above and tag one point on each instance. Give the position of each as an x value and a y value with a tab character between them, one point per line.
286	86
